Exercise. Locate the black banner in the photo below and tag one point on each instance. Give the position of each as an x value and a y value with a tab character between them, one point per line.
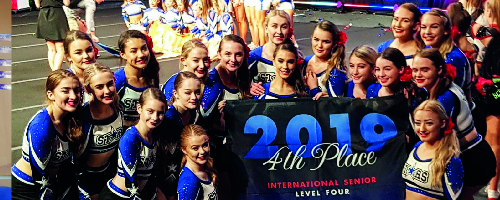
333	148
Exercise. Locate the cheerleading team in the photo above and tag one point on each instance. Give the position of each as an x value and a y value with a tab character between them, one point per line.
159	144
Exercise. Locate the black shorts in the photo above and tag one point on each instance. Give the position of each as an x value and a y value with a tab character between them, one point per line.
108	194
95	179
22	191
479	164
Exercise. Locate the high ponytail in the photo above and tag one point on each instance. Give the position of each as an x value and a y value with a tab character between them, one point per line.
337	59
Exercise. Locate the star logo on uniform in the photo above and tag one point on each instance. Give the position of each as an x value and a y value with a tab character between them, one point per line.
171	168
133	190
412	170
44	182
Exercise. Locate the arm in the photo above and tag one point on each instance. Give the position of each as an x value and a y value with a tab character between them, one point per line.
336	83
37	4
188	187
66	2
453	179
129	149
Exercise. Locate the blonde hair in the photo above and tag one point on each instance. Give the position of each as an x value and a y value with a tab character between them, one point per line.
90	72
337	59
205	5
448	146
196	130
494	6
447	44
280	13
366	53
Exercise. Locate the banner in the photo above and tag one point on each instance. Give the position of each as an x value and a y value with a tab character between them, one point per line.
333	148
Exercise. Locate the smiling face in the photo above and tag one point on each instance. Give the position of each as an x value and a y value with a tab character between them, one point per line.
102	87
386	72
428	126
188	95
432	30
67	95
322	43
360	70
285	62
151	113
81	53
197	150
277	29
197	61
424	72
136	53
403	25
232	55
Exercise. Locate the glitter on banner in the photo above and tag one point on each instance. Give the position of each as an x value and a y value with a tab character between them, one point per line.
6	74
5	62
5	37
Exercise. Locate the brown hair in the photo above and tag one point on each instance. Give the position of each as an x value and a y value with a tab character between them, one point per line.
151	71
74	126
447	42
299	87
448	146
196	130
494	6
90	72
181	77
438	61
71	36
205	5
243	74
337	59
417	16
460	18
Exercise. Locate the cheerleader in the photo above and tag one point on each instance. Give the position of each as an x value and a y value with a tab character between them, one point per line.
140	72
390	70
239	12
405	24
324	70
201	24
81	53
431	72
361	65
185	16
288	82
168	5
435	155
103	122
460	20
194	58
261	65
132	12
435	31
486	83
137	152
250	13
50	139
198	179
183	110
153	13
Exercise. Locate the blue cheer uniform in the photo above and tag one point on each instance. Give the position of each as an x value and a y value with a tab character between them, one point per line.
192	188
129	97
261	69
334	85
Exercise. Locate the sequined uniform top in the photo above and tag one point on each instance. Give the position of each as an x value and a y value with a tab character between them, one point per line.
350	90
271	95
169	155
103	134
456	106
132	9
150	15
170	17
417	175
261	69
372	91
384	45
44	149
129	96
214	92
457	58
168	86
136	158
335	83
192	188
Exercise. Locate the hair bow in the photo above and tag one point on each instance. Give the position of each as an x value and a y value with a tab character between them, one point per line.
455	33
149	42
449	127
342	38
247	51
96	52
451	71
406	76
